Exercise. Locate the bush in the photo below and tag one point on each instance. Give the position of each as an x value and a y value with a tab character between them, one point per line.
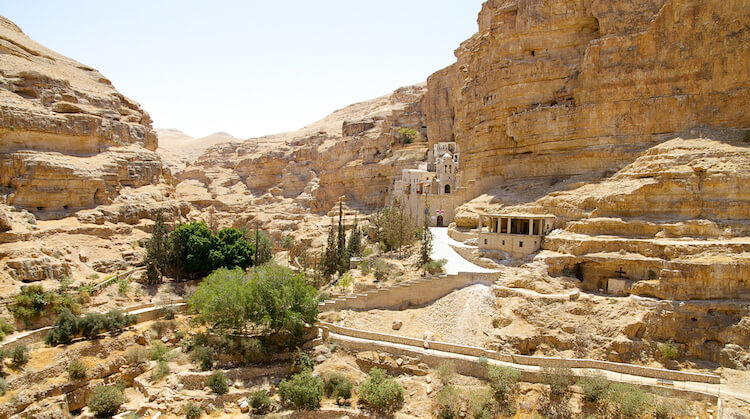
136	355
20	354
3	354
5	328
559	379
3	386
338	387
218	382
259	401
248	350
380	392
303	391
161	371
482	404
77	370
192	411
625	400
64	329
106	400
302	361
160	327
445	372
382	270
159	352
435	266
450	401
33	302
662	412
503	381
668	350
594	386
203	356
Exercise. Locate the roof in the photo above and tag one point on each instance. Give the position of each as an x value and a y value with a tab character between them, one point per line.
447	156
519	215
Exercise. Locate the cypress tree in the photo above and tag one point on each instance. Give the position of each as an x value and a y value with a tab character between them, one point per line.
342	255
330	259
354	247
157	252
426	249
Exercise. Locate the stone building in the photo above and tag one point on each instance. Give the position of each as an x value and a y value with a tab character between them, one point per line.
434	189
516	234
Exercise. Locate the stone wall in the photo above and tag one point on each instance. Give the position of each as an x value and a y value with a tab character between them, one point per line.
413	293
521	359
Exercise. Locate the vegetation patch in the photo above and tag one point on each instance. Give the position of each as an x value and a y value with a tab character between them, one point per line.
380	392
302	391
105	401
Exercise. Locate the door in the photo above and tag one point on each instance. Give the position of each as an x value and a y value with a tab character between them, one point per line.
440	221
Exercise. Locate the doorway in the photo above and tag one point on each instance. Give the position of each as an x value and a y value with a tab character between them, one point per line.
440	221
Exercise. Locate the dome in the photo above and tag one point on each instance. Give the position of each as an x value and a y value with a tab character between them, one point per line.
447	156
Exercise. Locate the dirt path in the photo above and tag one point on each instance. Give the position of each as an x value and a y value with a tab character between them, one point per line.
441	249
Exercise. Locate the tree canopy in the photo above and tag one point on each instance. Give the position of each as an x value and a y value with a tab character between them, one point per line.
269	298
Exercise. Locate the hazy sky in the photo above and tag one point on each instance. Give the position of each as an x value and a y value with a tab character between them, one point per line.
251	67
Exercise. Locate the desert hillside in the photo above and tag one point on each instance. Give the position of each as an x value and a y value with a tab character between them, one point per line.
624	125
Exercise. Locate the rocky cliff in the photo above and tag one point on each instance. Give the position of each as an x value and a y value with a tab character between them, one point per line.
68	139
565	87
79	176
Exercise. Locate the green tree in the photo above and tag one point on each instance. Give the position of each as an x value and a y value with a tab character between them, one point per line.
223	300
64	329
354	246
235	250
330	257
341	250
195	242
425	250
281	301
395	228
157	252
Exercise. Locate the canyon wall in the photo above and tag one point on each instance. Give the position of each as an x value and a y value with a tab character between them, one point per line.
68	139
565	87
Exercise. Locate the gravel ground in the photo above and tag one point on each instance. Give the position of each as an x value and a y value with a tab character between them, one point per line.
463	316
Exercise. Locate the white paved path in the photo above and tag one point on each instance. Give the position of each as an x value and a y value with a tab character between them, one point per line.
441	249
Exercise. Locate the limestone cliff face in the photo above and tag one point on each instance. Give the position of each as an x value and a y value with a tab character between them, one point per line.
565	87
68	139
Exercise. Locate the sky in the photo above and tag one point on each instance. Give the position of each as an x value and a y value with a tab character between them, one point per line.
252	67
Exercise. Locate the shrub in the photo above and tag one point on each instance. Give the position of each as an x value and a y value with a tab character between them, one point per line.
64	329
482	404
161	371
91	325
559	379
106	400
445	372
662	412
218	382
450	401
594	386
380	392
20	354
338	387
136	355
203	356
192	411
503	380
3	354
5	328
365	266
303	390
668	350
381	269
159	352
3	386
625	400
394	227
435	266
77	370
259	401
302	361
249	350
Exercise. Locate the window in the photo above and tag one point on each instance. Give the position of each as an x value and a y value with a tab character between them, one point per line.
520	244
503	242
485	241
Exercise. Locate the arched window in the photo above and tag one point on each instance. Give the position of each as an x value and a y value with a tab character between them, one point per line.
447	188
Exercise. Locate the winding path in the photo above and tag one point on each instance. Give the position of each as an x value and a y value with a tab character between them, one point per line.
441	249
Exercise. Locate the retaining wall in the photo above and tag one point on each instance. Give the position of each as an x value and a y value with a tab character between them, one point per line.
462	236
523	359
143	313
413	293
